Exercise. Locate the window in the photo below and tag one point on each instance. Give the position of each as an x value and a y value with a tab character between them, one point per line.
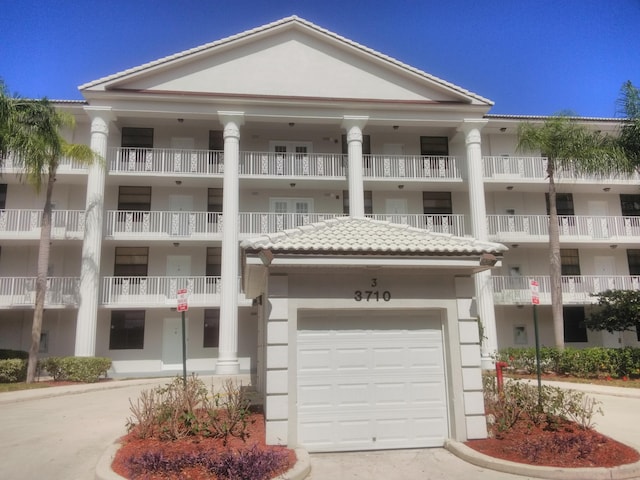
520	336
564	203
214	261
436	146
131	262
137	199
366	144
3	196
437	203
630	205
214	200
211	334
137	137
575	330
44	342
127	330
633	259
368	202
569	261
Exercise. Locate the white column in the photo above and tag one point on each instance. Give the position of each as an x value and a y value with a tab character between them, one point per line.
87	319
228	347
484	291
354	126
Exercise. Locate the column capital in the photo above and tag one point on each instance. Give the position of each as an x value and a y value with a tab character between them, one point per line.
350	121
227	117
471	128
104	113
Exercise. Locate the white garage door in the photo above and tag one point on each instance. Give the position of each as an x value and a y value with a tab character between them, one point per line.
370	380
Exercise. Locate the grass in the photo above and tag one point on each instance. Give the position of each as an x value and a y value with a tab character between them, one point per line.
14	387
611	382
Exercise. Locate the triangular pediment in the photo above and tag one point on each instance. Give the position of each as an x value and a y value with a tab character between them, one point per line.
291	58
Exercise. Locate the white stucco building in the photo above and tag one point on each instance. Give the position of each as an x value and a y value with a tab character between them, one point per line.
340	221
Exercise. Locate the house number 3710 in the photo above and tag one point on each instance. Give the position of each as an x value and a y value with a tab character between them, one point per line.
372	295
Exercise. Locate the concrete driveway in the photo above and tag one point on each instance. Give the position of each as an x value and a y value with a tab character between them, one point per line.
60	434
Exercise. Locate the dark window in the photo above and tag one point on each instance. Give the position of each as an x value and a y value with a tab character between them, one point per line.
214	261
564	203
131	262
437	203
638	331
134	198
214	200
368	202
569	261
633	258
3	196
216	147
127	330
366	144
137	137
436	146
630	205
575	330
211	333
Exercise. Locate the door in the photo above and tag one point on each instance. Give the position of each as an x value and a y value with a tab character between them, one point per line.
370	380
172	342
396	210
599	213
182	160
604	269
289	213
292	158
181	207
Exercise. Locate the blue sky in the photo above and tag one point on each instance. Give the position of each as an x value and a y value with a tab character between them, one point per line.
533	57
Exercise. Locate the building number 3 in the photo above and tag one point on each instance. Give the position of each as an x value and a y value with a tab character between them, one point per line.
372	295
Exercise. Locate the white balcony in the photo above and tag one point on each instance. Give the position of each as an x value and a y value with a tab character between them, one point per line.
164	161
159	291
62	292
513	169
258	223
159	225
13	164
575	289
25	224
452	224
573	228
436	168
325	165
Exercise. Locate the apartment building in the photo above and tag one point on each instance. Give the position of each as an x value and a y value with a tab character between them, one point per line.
339	220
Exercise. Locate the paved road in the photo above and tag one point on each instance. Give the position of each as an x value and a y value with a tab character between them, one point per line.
63	437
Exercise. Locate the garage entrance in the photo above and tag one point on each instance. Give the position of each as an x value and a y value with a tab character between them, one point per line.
370	380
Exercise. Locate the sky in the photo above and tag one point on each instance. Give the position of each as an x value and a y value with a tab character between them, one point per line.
530	57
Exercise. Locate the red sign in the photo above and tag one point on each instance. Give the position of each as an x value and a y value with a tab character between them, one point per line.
535	295
183	304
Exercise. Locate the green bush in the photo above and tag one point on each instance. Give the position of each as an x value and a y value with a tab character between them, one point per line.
6	354
594	362
13	370
76	369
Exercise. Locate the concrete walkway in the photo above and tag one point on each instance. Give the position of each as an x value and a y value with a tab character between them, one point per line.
60	433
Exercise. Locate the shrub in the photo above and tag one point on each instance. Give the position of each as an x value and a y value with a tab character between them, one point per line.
13	370
254	463
6	354
76	369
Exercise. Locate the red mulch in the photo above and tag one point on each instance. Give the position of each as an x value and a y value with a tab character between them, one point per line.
132	446
569	446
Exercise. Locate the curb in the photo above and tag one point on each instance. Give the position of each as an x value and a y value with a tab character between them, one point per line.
299	471
622	472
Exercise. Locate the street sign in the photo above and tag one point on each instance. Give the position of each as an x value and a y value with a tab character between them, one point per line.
183	304
535	293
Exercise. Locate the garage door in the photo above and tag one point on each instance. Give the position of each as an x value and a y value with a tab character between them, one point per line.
370	380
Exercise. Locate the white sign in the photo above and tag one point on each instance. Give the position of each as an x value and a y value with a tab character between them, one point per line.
535	293
183	304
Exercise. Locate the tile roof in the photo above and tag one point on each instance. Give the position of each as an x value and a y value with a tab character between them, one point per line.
344	235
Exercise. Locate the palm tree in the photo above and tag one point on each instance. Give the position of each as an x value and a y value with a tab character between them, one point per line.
569	147
629	107
31	131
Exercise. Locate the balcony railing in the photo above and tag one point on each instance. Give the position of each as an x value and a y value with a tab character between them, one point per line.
577	227
292	164
453	224
13	164
575	289
194	225
160	291
165	161
21	291
535	168
263	222
26	224
411	166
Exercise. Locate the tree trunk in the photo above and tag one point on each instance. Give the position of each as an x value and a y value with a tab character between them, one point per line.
555	264
41	279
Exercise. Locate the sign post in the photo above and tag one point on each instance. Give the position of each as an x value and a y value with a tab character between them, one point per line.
535	301
183	306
